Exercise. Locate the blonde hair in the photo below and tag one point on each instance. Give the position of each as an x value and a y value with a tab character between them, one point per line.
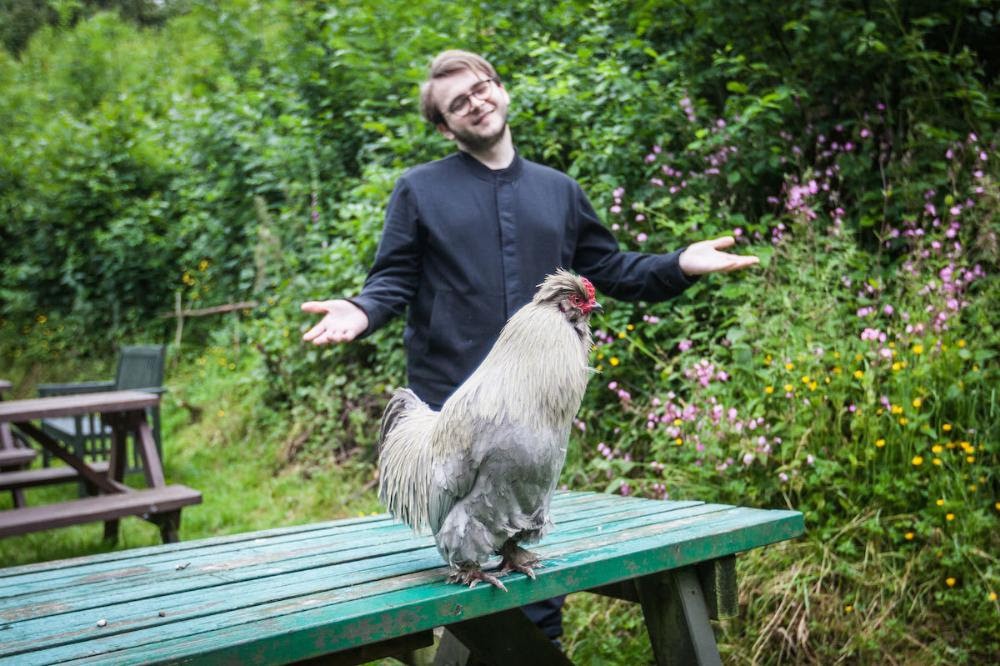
445	64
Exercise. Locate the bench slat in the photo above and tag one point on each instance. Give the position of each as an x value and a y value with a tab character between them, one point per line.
45	476
93	509
312	556
15	457
61	575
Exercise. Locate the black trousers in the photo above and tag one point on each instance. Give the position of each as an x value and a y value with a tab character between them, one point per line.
547	616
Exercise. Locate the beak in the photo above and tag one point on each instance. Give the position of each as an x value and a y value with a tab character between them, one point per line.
596	308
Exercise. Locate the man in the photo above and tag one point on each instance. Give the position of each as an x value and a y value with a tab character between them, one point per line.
467	239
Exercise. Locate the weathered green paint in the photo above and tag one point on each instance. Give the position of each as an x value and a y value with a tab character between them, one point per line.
294	593
677	619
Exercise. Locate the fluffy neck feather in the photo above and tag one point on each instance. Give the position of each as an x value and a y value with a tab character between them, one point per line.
535	374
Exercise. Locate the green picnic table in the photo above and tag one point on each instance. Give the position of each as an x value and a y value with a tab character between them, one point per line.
354	590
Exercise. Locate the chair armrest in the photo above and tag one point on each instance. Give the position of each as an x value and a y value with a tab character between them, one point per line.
46	390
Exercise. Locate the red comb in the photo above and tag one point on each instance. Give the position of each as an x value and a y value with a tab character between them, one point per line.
589	287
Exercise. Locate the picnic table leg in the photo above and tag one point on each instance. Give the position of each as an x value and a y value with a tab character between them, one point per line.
676	615
116	467
508	637
170	525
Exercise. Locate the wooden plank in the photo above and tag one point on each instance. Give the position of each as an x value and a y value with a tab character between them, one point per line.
395	647
300	628
264	554
16	457
317	558
350	578
46	476
92	509
69	405
283	545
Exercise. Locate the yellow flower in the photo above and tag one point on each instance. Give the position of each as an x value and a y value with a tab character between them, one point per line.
858	374
940	502
768	359
897	366
896	409
614	361
996	506
946	427
858	357
903	420
805	379
621	335
836	354
812	386
909	536
949	581
970	459
917	402
678	441
848	608
992	596
917	460
879	443
918	349
961	343
630	327
203	265
41	319
836	370
788	388
949	516
937	448
937	461
678	422
769	390
789	366
600	356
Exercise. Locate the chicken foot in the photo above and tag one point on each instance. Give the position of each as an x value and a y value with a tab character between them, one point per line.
516	558
471	573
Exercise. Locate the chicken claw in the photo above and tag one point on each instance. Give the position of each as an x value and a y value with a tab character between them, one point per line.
471	575
516	558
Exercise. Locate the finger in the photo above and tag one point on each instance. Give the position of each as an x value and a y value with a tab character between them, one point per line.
314	306
314	332
723	242
742	262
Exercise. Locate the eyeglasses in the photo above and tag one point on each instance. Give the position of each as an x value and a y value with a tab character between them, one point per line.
461	106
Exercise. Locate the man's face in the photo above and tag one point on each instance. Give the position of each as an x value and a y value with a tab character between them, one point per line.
486	122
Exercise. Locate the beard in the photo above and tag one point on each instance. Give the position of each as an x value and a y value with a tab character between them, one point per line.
474	142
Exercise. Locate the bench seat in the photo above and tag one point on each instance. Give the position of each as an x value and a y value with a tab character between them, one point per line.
161	505
45	476
16	457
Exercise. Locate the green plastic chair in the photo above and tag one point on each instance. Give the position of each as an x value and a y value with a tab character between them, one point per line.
140	367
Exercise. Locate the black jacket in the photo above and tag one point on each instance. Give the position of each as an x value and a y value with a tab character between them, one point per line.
465	246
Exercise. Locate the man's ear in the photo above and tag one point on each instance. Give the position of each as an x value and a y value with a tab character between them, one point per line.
447	133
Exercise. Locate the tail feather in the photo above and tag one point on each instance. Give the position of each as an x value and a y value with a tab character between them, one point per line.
405	457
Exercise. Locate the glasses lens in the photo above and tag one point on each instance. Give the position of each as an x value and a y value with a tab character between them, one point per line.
463	104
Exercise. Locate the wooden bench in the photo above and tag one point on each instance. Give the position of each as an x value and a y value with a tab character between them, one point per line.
46	476
125	413
354	590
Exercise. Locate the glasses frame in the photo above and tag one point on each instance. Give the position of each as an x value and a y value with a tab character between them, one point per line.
465	101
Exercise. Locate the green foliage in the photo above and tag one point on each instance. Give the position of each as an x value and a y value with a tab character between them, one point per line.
243	150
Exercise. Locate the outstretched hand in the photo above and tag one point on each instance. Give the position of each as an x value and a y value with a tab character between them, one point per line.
342	321
707	257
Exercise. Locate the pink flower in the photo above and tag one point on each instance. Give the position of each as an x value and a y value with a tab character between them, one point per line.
616	209
642	238
747	459
684	345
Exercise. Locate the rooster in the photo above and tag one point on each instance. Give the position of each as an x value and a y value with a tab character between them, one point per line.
480	473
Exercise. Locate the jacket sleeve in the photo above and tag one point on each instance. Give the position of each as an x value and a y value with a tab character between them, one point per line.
626	276
393	278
